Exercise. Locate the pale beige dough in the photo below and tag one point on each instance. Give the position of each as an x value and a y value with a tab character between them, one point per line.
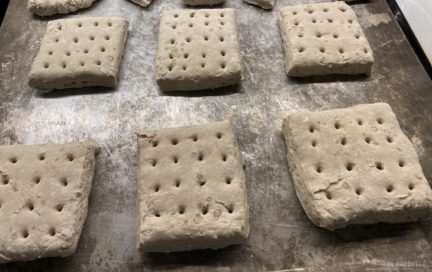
322	39
50	7
80	52
191	189
198	49
355	166
44	192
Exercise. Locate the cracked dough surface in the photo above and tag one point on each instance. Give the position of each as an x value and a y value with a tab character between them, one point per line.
198	49
355	166
191	189
50	7
322	39
44	192
80	52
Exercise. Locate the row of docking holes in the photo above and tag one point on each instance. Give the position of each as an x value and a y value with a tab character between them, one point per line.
201	182
200	157
322	49
41	157
25	233
312	10
350	166
206	15
203	65
36	180
314	21
189	39
359	191
80	24
63	64
204	209
191	25
194	138
344	140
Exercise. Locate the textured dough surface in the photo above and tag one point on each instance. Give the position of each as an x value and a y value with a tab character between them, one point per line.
355	166
44	192
50	7
202	2
324	38
143	3
198	49
265	4
80	52
191	189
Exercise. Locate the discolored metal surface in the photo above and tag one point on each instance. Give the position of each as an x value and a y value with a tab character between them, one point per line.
281	238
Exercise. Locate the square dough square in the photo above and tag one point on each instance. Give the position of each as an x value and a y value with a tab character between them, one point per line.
198	49
50	7
191	189
322	39
44	192
355	166
80	52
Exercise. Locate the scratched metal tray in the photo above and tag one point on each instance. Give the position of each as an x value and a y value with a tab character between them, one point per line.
281	238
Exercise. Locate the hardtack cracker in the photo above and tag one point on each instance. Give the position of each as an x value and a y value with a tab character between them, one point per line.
355	166
191	189
198	49
80	52
44	192
50	7
324	38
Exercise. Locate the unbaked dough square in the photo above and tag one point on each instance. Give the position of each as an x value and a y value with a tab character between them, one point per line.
322	39
50	7
44	192
198	49
355	166
191	189
80	52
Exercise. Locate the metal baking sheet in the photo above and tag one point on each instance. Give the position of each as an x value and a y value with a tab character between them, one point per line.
281	238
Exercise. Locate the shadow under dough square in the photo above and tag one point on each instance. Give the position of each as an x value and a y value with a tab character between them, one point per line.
322	39
44	192
191	189
198	49
80	52
355	166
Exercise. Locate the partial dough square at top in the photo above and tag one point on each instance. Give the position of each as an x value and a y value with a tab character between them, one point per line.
324	38
202	2
198	49
265	4
44	192
355	166
191	189
50	7
80	52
